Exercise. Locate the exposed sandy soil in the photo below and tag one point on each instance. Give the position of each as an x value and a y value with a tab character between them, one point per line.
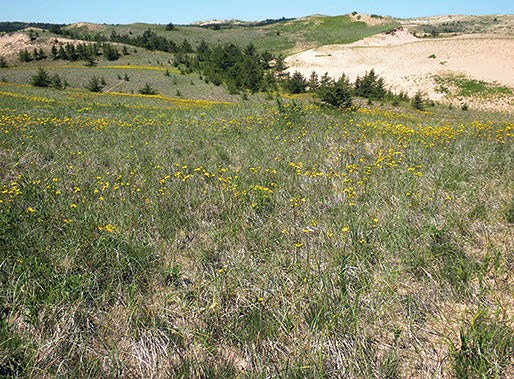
12	43
406	63
369	20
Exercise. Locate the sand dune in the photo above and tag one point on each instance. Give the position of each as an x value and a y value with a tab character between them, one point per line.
408	64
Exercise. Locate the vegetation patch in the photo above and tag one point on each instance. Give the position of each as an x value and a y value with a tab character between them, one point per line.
463	86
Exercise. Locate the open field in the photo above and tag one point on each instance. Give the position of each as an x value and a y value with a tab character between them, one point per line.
149	236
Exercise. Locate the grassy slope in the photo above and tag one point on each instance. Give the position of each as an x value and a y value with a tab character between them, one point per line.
149	67
141	67
283	37
144	236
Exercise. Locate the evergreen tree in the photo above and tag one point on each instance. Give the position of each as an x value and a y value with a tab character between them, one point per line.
336	93
295	83
95	84
54	53
313	82
147	90
370	86
110	52
418	101
3	62
57	83
41	78
24	56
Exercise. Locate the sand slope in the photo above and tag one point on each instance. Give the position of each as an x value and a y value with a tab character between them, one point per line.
407	63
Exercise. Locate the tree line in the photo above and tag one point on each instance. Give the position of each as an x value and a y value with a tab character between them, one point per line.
87	52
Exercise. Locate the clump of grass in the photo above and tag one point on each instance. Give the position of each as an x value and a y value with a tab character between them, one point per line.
468	87
484	350
509	213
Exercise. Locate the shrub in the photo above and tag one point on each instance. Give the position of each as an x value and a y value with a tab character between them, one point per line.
295	83
25	56
370	86
57	83
147	90
336	93
418	102
95	84
3	62
41	78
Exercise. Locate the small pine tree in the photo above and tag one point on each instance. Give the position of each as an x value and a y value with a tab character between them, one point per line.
337	93
3	62
418	102
124	50
25	56
54	53
147	90
313	82
41	78
57	83
42	54
170	26
126	77
95	84
296	83
90	60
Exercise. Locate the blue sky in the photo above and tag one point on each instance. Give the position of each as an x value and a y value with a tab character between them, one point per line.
184	11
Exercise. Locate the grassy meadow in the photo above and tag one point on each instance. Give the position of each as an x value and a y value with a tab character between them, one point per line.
155	236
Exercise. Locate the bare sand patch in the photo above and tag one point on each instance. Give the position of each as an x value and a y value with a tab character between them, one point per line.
409	64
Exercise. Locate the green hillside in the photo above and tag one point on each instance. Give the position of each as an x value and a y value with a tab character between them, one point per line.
281	37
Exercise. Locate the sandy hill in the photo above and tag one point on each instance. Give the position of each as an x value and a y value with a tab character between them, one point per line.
410	64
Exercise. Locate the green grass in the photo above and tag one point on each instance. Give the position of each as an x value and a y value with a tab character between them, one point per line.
144	67
463	86
283	37
149	236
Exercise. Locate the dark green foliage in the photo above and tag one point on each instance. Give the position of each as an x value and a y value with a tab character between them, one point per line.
41	78
3	62
15	26
370	86
313	83
147	90
237	69
58	83
124	50
126	77
33	35
336	93
95	84
110	52
54	53
418	101
25	56
295	83
170	26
